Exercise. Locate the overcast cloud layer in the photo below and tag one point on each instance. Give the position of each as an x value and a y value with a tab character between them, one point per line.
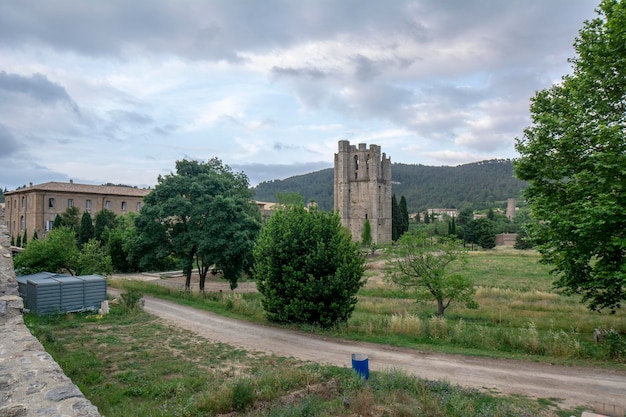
117	91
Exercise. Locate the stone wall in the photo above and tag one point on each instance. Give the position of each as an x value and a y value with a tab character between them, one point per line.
31	382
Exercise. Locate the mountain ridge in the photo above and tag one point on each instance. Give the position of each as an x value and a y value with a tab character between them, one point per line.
481	184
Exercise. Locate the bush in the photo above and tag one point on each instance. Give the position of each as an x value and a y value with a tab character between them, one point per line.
132	301
307	268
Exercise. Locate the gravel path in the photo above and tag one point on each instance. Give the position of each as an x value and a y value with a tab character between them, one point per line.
573	386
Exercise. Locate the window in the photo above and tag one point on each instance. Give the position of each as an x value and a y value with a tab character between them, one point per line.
123	205
138	205
49	225
70	203
87	204
23	202
51	202
107	205
22	223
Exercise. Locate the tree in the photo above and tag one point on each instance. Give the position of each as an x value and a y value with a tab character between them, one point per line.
25	238
119	242
56	253
366	234
452	227
93	259
428	264
404	216
35	235
307	267
426	217
69	218
482	233
86	229
289	199
396	220
58	222
105	219
573	156
523	240
201	214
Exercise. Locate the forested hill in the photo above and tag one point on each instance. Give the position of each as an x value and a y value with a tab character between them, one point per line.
479	184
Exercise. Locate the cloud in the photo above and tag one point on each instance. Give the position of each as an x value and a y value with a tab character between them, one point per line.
278	80
9	143
37	87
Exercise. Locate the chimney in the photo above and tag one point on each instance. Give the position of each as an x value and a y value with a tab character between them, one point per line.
31	184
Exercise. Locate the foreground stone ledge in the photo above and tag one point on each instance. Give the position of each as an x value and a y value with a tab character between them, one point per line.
31	382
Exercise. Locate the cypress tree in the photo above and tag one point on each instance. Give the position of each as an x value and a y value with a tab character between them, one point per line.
86	229
24	238
395	219
404	215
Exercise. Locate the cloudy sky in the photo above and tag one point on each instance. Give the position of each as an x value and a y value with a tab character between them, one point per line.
117	90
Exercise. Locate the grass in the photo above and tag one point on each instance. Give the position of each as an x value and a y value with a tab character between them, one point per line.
130	363
520	315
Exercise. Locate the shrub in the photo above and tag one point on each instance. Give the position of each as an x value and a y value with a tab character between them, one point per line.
132	301
307	268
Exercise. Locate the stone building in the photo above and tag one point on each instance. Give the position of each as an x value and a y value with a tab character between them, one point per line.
363	190
36	206
510	208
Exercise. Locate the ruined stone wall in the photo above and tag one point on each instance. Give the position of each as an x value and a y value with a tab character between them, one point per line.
31	382
363	190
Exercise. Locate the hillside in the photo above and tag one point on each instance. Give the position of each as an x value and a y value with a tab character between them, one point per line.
479	184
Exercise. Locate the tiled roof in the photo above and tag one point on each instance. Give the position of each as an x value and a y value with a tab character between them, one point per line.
70	187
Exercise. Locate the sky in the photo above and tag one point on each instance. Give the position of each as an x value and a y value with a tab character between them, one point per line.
117	91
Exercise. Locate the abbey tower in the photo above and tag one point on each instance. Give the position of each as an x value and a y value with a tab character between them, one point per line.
363	190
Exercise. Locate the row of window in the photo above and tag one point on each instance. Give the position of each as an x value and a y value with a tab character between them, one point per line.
107	204
70	204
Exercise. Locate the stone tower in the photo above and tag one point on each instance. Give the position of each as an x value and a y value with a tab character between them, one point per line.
510	208
363	190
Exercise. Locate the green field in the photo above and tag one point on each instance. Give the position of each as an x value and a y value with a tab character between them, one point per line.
519	316
138	366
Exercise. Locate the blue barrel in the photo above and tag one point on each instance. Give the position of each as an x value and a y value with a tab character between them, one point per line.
360	364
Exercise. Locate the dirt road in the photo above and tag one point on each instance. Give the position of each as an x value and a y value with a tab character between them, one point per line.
573	386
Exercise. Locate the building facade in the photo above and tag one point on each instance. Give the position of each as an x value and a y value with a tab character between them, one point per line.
35	207
362	190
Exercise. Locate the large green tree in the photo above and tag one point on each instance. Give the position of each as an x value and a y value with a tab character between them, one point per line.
574	158
430	266
203	214
307	267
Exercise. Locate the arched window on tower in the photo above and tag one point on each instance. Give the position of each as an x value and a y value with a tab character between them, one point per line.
356	166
